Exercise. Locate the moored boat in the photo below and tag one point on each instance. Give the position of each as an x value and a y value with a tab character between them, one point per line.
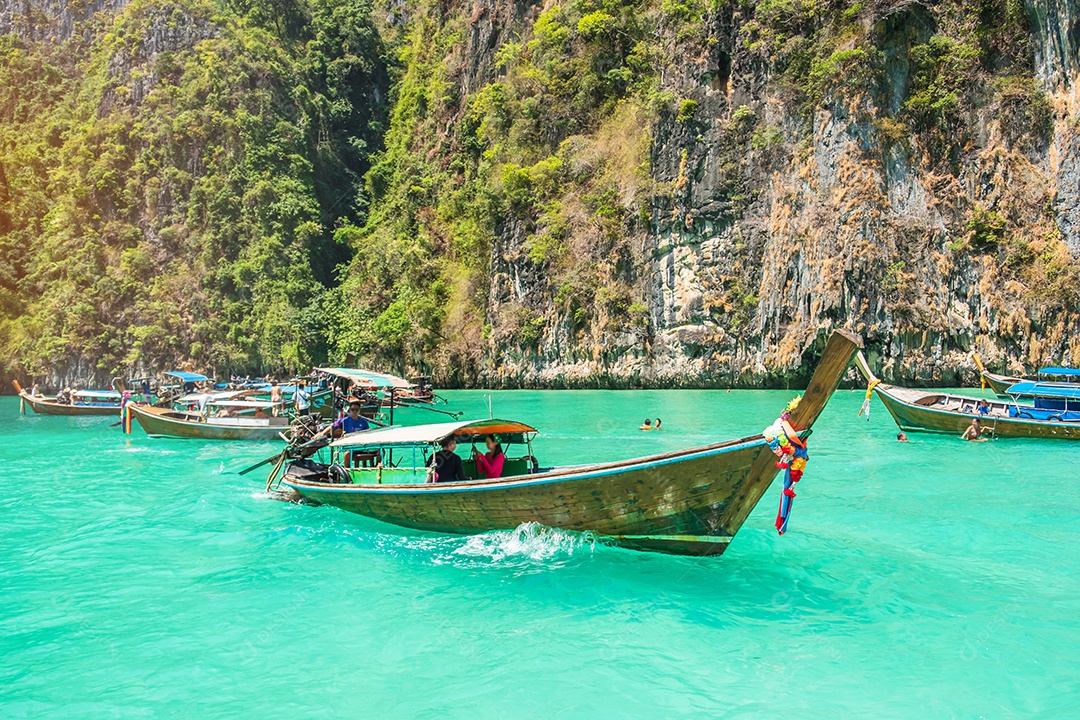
687	502
932	411
382	392
995	381
81	403
1053	401
246	420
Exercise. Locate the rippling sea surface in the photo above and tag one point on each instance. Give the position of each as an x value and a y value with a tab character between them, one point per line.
144	578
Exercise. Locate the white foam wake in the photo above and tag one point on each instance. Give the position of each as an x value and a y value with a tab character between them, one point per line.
528	543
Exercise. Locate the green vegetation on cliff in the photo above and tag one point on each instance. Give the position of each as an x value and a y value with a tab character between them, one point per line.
171	187
489	188
551	149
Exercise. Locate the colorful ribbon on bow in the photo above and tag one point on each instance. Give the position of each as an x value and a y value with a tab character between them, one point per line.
125	412
866	403
786	444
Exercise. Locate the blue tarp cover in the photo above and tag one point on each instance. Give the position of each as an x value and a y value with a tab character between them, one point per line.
1050	390
1062	371
187	376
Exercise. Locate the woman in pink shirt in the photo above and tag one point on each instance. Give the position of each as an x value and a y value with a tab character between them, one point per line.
490	464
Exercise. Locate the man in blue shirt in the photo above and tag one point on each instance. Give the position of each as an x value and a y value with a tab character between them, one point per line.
351	422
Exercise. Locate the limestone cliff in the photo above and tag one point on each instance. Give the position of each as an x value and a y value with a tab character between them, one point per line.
903	169
52	20
609	193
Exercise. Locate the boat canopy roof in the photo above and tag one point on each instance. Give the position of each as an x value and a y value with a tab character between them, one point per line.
1045	390
1061	371
249	404
186	376
97	394
209	397
397	436
368	378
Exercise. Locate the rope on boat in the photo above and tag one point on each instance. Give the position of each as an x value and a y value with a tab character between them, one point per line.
869	395
784	441
273	473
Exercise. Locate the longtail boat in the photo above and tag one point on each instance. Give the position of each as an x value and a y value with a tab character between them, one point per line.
689	502
931	411
83	403
385	392
998	383
220	419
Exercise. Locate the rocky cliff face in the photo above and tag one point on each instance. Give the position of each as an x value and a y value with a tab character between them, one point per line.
52	20
782	211
688	193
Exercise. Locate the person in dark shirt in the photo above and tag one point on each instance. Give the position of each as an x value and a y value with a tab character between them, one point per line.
448	466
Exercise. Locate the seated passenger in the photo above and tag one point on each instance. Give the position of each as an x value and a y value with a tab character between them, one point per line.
983	408
351	422
448	466
490	464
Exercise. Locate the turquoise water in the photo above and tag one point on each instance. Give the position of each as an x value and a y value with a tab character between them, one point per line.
144	578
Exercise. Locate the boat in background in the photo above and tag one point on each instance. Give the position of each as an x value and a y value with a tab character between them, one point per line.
689	502
187	383
379	392
1052	401
228	418
932	411
83	403
996	382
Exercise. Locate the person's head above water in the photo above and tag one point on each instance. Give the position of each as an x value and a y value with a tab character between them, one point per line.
901	436
647	422
657	422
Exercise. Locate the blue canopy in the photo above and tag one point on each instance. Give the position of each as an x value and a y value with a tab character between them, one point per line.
1045	390
1062	371
187	376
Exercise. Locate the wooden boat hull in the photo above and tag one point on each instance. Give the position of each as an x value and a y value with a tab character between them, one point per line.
162	422
42	406
690	502
910	415
680	503
1000	384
